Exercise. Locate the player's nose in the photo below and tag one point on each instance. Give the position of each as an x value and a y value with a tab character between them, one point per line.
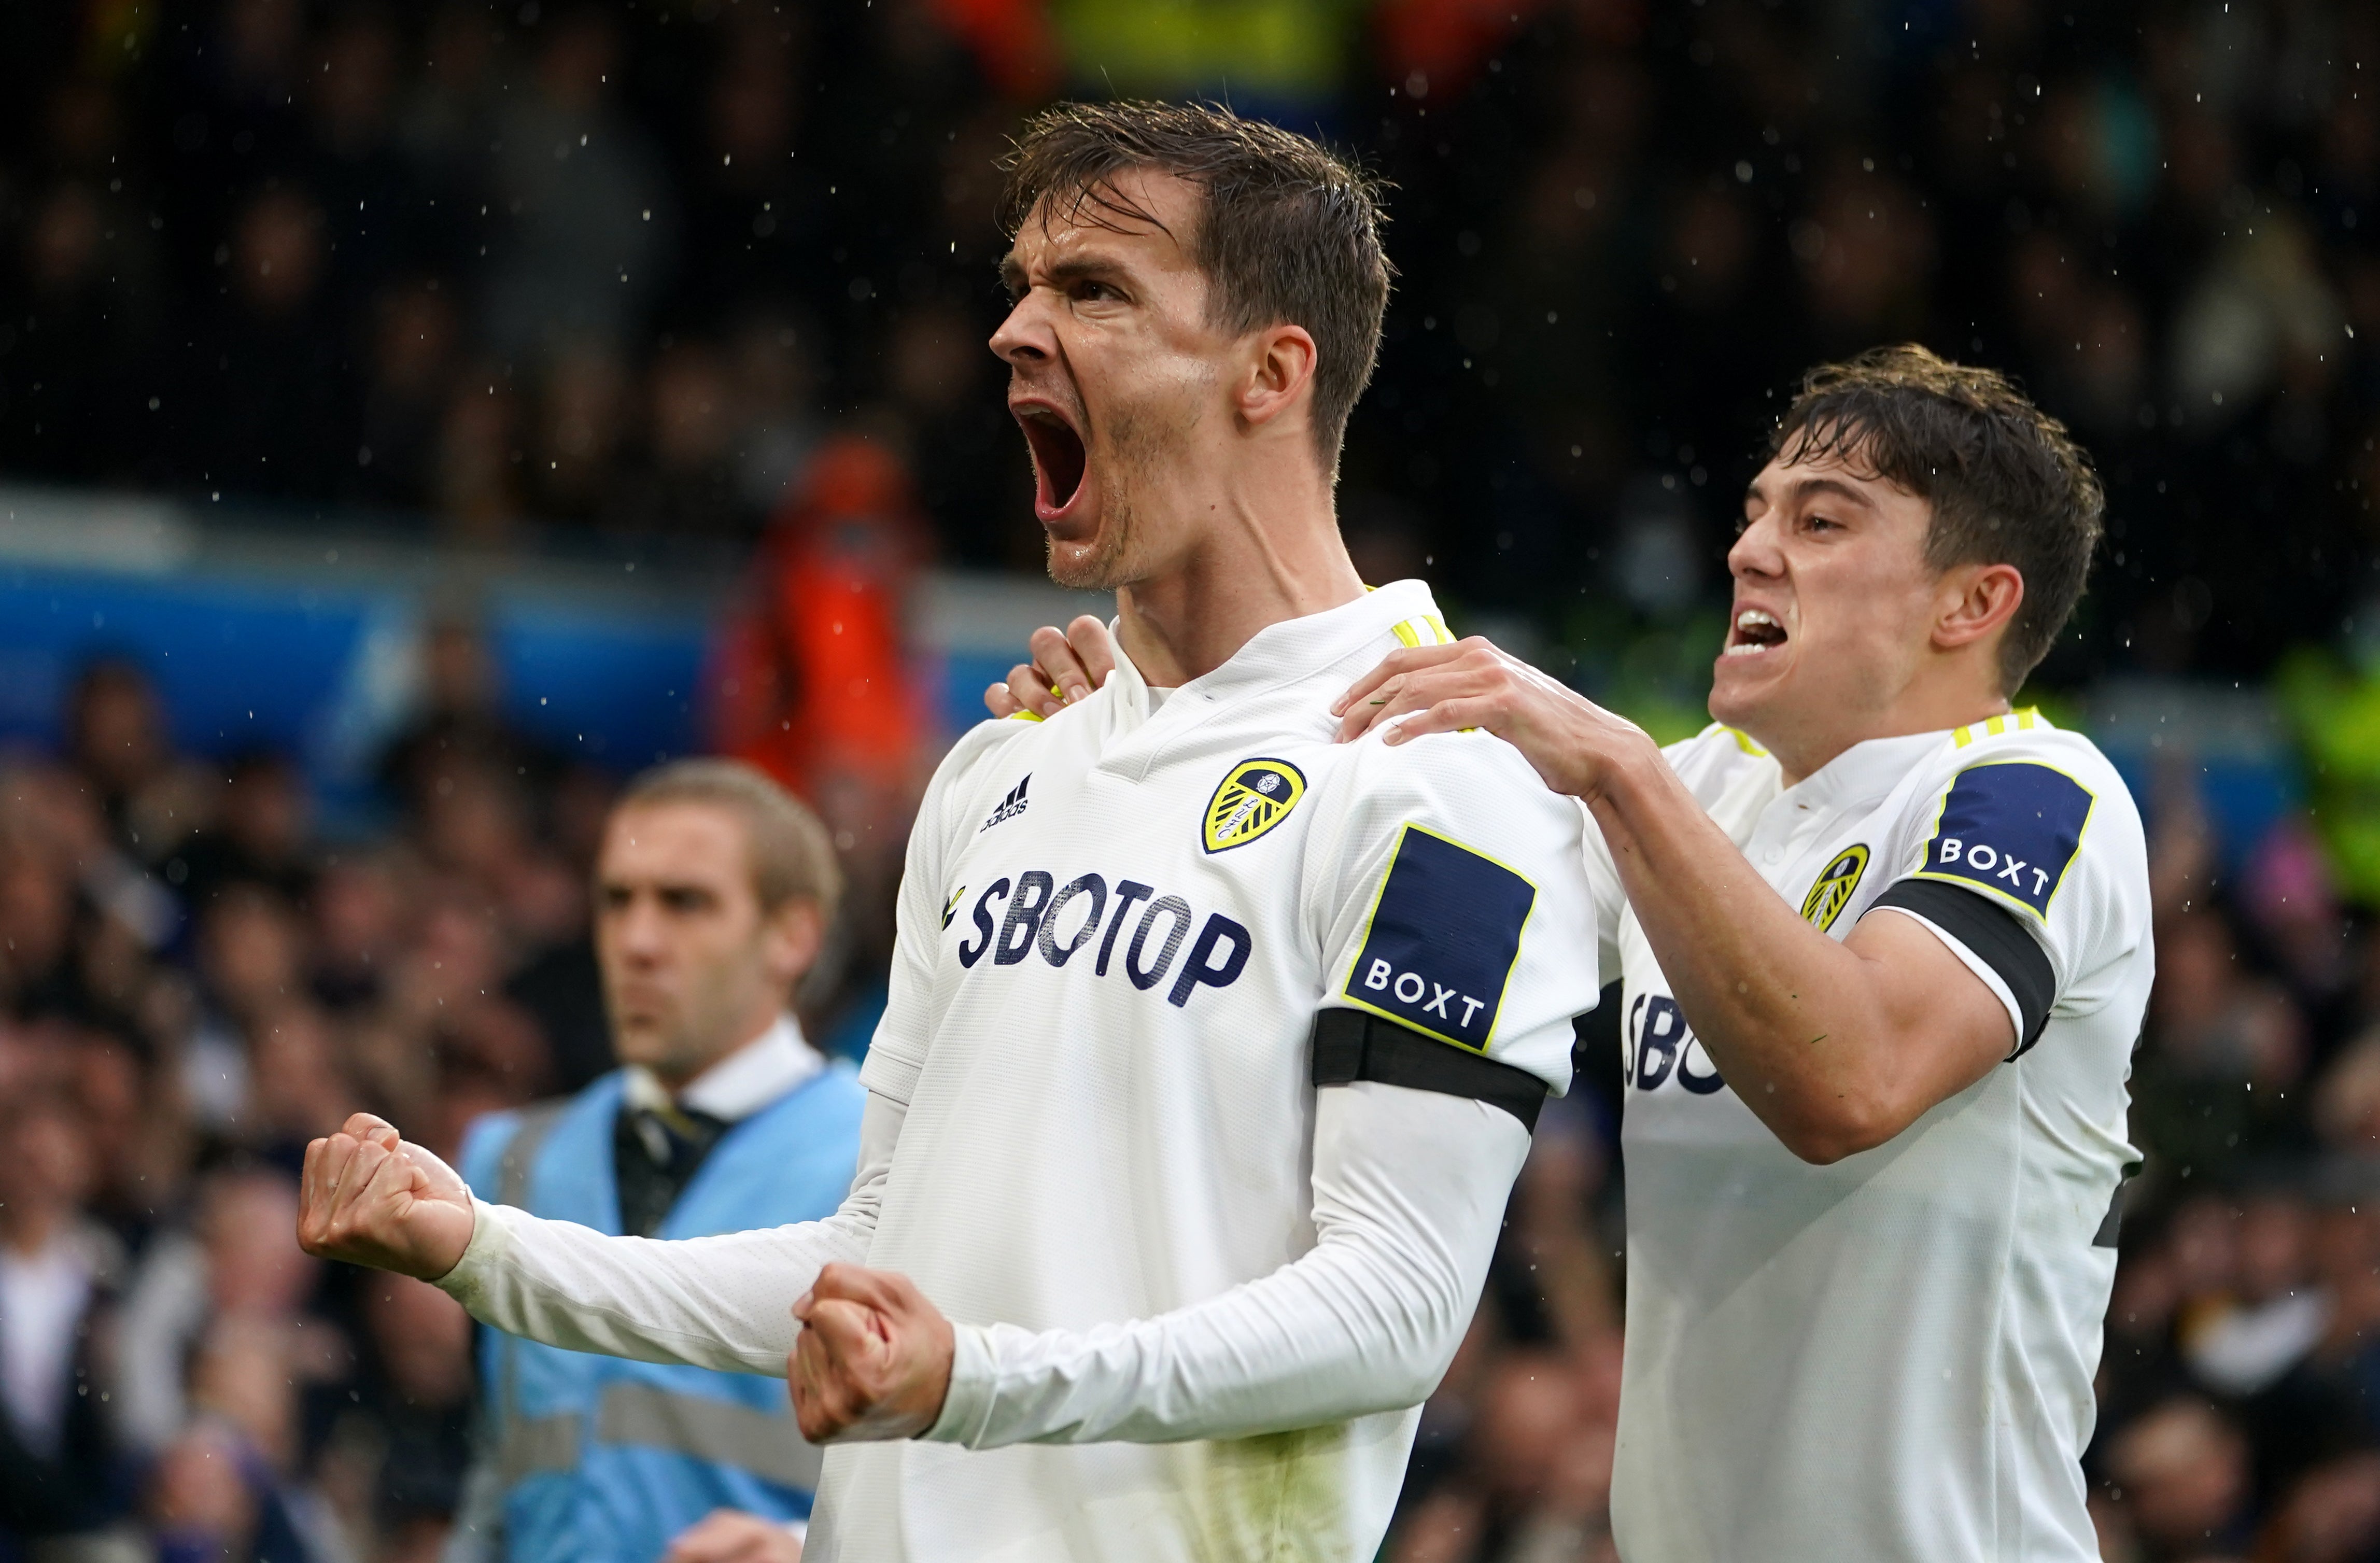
1755	553
1025	336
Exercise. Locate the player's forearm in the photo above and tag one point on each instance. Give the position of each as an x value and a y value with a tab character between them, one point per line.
720	1303
1798	1024
1409	1191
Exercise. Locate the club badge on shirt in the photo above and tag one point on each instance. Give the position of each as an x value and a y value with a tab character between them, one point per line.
2011	829
1834	885
1256	796
1444	936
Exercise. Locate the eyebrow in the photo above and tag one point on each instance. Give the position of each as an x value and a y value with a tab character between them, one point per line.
1073	268
1805	487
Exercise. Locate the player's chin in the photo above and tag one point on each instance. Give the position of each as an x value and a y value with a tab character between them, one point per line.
1080	555
1744	682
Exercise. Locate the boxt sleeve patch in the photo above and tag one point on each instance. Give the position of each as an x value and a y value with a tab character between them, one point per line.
1443	939
2010	829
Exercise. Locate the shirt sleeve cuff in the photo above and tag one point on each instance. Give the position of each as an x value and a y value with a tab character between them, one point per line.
974	1378
889	1071
491	1239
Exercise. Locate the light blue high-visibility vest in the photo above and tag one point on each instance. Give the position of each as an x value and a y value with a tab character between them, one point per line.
601	1460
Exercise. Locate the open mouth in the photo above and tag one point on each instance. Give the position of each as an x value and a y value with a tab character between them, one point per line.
1059	460
1754	631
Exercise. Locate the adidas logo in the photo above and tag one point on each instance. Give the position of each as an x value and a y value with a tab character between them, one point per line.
1010	807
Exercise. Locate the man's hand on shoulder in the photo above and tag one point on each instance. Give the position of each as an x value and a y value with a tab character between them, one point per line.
370	1198
873	1359
1573	743
1067	665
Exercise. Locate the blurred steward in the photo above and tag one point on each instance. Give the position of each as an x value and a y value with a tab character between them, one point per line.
714	890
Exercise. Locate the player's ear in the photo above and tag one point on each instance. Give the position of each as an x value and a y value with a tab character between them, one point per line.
1974	602
1278	372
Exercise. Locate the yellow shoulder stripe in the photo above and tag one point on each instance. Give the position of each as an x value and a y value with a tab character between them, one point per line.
1428	630
2025	718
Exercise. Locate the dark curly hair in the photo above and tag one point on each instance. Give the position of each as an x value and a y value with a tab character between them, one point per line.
2008	484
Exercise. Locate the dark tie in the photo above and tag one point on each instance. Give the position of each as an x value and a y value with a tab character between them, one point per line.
654	1156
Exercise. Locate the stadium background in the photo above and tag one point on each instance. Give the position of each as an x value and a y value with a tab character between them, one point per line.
413	418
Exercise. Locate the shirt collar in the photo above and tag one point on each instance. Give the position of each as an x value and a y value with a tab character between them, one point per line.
1869	769
1280	653
762	1071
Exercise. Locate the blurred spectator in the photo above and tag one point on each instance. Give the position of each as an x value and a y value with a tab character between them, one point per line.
459	727
61	1472
259	836
267	393
757	222
241	1261
583	253
421	1340
2180	1471
475	482
413	343
775	357
939	376
71	360
117	737
583	420
686	486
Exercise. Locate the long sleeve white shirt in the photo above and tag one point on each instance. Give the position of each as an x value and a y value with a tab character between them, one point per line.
1196	1300
1409	1190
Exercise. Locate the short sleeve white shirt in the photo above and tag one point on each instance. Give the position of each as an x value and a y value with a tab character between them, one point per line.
1890	1357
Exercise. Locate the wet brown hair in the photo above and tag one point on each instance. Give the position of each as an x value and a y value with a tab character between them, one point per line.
1288	232
2007	483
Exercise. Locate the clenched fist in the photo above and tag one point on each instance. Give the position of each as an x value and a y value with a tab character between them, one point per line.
874	1360
370	1198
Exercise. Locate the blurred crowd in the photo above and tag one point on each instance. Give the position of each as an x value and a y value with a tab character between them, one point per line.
509	270
192	984
565	265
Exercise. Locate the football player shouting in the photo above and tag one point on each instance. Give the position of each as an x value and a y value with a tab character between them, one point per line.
1214	1043
1885	951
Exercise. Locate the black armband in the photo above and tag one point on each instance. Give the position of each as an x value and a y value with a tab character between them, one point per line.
1993	933
1349	1045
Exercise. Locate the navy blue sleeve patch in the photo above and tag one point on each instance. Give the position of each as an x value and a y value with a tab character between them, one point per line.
2011	829
1444	936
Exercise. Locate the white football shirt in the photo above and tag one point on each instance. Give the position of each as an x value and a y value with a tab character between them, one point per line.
1891	1357
1117	927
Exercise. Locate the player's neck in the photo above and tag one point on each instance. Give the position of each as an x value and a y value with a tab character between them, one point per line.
1802	752
1808	725
1262	552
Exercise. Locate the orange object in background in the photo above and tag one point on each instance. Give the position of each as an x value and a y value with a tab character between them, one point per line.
1012	41
811	680
1436	49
